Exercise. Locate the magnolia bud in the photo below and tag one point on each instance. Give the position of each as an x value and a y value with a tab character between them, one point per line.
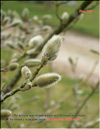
26	73
25	13
47	80
16	55
64	16
13	60
16	22
15	14
35	18
27	86
5	113
89	124
31	51
9	12
47	28
20	45
79	92
45	17
10	45
13	66
35	41
6	20
51	49
32	62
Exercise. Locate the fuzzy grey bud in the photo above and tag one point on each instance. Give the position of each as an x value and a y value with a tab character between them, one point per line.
30	52
13	66
64	17
32	62
26	73
20	45
25	13
5	113
35	41
51	49
47	28
35	18
47	80
13	60
45	17
16	22
10	45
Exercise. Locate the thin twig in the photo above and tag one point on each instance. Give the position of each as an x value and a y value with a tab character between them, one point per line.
7	95
88	76
4	69
57	31
92	7
9	124
83	104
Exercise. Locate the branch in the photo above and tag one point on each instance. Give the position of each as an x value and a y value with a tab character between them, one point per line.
83	104
12	92
62	27
97	3
57	31
88	76
7	95
57	8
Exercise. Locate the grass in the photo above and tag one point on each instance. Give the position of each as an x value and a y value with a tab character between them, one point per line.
58	93
88	25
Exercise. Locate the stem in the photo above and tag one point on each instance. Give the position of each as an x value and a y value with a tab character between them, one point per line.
47	100
4	69
88	76
57	31
37	70
76	87
62	27
8	123
83	104
7	95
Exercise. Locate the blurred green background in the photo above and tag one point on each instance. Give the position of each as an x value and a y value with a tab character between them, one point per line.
89	25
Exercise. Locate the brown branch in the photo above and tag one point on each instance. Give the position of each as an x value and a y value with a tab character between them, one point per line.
57	31
7	95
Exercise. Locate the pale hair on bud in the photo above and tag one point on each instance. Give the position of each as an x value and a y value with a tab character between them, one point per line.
5	113
16	22
35	18
20	45
13	60
35	41
52	47
10	45
25	13
47	28
13	66
47	80
45	17
26	73
32	62
31	51
64	16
